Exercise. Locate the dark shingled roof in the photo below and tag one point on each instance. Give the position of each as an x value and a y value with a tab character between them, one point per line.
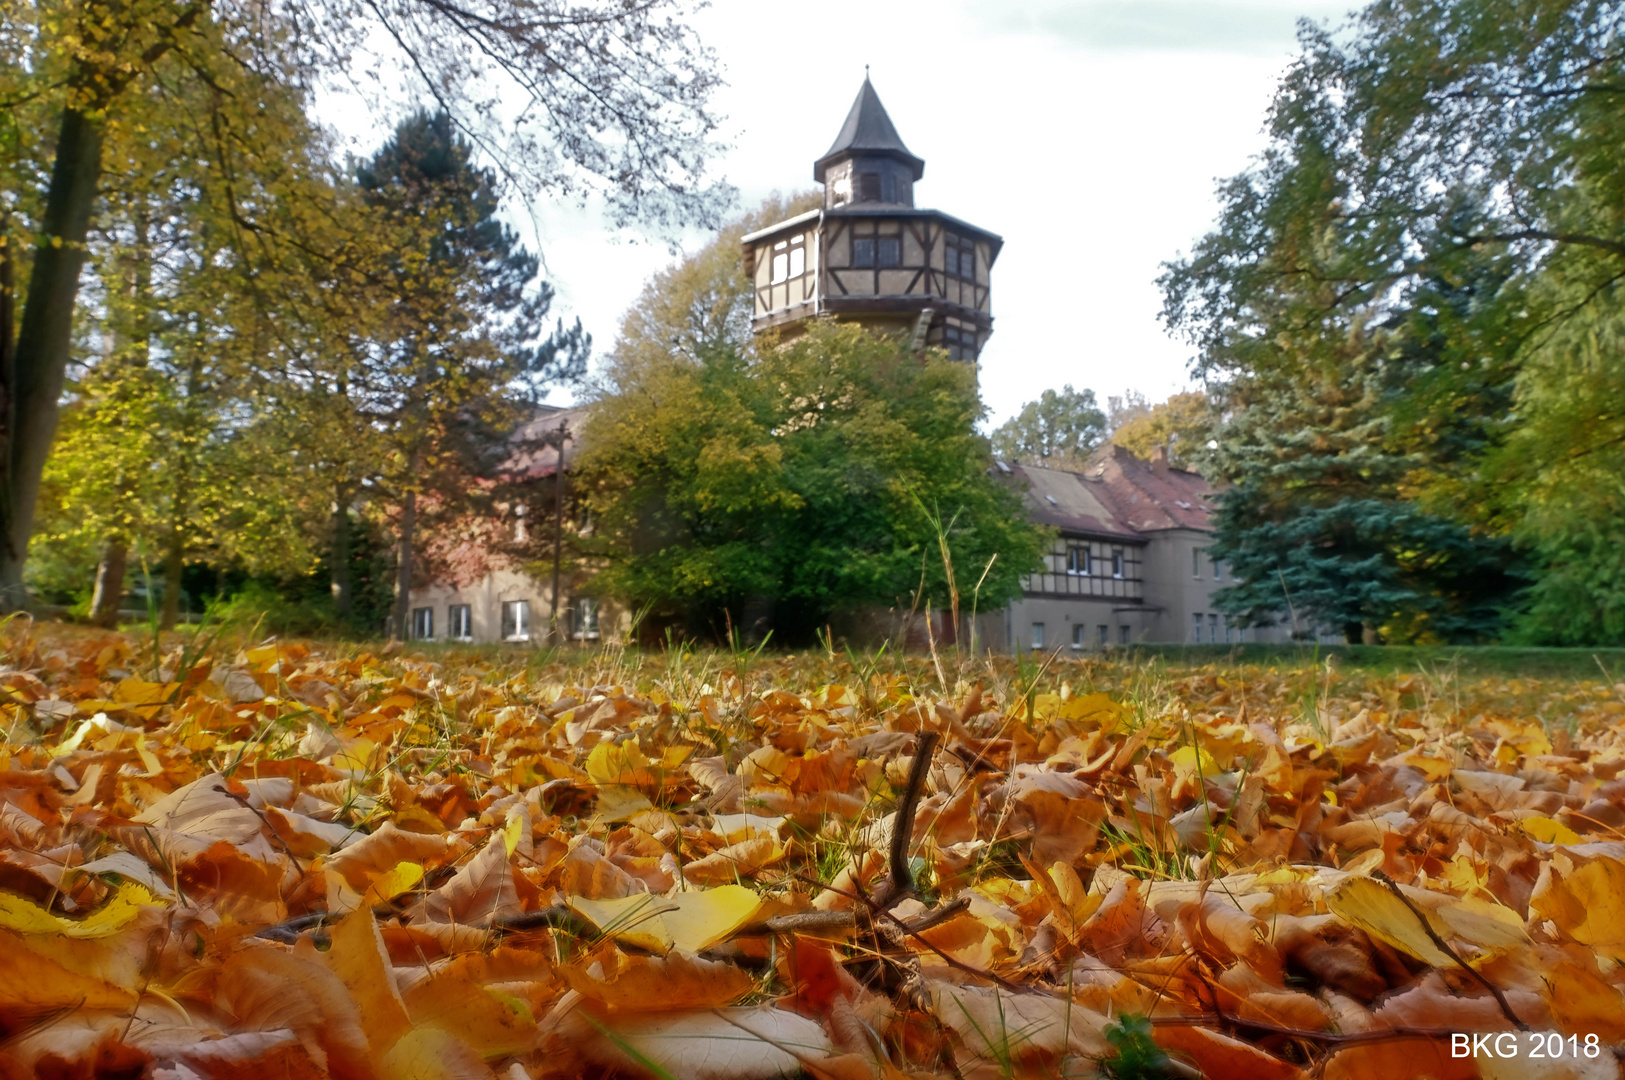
868	130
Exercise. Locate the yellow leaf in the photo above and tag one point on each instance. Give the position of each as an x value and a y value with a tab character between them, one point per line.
1188	759
358	958
432	1054
692	921
1487	929
391	884
1433	769
625	764
27	917
1589	906
1548	830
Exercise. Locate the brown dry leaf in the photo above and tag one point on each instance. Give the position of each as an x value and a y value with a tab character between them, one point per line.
1222	1057
678	980
432	1054
998	1025
709	1044
1408	1056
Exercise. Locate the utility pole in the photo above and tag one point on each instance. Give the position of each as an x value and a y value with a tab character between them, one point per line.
557	440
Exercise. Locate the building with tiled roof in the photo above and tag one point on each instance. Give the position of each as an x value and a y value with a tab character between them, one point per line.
1129	561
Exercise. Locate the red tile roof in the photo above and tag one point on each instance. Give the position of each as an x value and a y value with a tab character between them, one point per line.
1116	495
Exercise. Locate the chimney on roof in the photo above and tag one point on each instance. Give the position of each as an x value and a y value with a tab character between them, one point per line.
1159	458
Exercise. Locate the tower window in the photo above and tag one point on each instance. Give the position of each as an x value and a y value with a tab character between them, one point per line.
863	251
868	187
891	251
959	257
960	343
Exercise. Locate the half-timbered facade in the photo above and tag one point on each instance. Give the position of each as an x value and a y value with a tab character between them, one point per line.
869	254
1129	561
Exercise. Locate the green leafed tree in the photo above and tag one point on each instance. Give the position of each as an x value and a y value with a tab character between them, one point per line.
1440	196
797	481
610	99
1059	430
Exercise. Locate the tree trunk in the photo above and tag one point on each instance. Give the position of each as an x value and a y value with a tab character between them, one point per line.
174	563
403	576
109	592
33	378
339	556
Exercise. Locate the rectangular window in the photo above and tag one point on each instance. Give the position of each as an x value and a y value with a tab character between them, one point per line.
1196	628
1212	629
1196	563
586	619
891	251
1123	634
951	259
863	251
1218	570
798	260
959	257
1038	635
869	187
423	623
460	622
516	620
1077	560
1117	562
1103	632
1079	635
781	267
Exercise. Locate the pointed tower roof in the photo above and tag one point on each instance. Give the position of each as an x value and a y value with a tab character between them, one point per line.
868	130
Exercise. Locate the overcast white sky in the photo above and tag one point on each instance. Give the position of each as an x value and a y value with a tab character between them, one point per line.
1088	133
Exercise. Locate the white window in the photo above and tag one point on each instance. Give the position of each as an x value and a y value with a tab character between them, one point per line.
1218	570
1212	629
1077	560
790	258
516	620
586	619
1196	628
1117	562
1038	635
423	623
1079	635
1103	632
460	622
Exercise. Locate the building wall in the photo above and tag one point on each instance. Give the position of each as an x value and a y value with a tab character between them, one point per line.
486	597
1060	618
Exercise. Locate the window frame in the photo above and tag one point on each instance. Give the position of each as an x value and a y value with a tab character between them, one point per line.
521	625
423	623
467	613
1037	639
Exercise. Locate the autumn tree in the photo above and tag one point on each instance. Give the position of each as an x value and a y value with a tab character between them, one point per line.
1180	427
1059	430
612	100
801	479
